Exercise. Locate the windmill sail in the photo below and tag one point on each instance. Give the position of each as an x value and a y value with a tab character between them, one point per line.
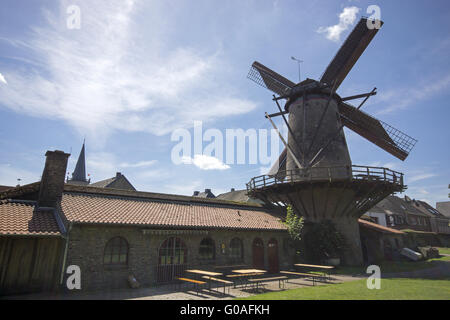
269	79
349	53
380	133
279	166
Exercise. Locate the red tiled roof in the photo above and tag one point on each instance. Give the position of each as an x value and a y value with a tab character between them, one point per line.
3	188
20	218
115	209
378	227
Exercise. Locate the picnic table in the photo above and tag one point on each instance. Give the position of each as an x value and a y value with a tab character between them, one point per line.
248	271
208	275
324	269
243	275
204	272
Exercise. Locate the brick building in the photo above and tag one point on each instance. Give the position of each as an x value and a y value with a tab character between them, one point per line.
111	233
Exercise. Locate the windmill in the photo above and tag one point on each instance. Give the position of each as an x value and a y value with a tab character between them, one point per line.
314	173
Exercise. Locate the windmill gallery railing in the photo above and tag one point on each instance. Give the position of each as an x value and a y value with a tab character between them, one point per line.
327	174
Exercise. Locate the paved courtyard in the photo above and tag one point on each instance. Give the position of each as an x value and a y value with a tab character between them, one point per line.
171	292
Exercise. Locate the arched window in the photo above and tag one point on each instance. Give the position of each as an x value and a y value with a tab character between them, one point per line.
207	249
116	251
173	251
236	250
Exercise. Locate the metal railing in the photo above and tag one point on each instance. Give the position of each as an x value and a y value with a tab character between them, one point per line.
329	174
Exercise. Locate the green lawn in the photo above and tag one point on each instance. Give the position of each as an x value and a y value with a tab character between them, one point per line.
444	250
395	266
391	289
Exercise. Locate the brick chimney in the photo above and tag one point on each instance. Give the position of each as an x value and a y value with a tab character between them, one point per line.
52	182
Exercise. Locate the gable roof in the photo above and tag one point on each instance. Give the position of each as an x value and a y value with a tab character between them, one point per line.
396	205
127	210
117	182
427	209
21	218
239	196
103	183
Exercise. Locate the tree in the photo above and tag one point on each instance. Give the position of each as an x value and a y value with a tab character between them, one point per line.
294	224
326	241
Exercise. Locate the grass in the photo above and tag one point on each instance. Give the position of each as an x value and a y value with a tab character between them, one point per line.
444	250
391	289
395	266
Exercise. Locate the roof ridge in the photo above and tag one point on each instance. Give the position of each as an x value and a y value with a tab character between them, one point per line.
153	195
226	204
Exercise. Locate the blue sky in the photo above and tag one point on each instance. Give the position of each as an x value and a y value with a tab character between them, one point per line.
136	71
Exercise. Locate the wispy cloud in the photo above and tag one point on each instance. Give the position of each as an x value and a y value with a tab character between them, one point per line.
104	165
140	164
2	79
421	177
101	77
402	98
205	162
346	18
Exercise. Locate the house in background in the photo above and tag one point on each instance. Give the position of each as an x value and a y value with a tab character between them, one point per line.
207	194
439	222
444	208
117	182
238	196
398	213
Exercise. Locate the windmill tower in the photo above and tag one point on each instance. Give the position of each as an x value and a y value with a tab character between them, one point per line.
314	173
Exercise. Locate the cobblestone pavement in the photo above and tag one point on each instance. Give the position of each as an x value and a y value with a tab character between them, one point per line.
171	292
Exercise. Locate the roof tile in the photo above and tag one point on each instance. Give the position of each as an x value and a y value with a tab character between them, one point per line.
105	209
21	218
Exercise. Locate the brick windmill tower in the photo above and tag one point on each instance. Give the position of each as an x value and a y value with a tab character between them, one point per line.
314	173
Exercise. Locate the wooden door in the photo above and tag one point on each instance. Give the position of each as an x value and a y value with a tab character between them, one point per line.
258	253
272	251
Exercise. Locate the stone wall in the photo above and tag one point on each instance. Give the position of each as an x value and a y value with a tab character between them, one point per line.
87	245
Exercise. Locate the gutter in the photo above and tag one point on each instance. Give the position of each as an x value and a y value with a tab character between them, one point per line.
65	253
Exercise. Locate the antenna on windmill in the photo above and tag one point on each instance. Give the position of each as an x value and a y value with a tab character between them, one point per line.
298	62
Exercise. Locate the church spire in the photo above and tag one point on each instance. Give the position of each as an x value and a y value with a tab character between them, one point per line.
79	174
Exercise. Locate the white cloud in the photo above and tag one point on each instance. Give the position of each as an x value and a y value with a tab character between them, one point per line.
2	79
421	177
117	73
205	162
402	98
140	164
346	18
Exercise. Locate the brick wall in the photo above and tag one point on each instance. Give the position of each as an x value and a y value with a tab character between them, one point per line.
87	245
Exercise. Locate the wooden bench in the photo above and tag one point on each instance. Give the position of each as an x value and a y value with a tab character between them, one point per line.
241	278
197	283
305	275
225	283
281	281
